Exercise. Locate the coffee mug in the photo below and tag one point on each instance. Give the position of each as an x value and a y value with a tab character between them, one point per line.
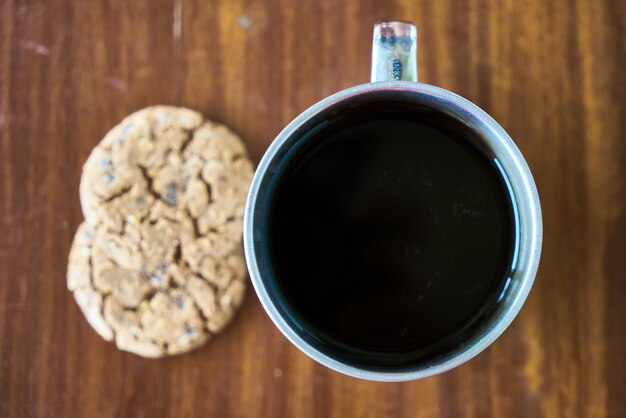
392	230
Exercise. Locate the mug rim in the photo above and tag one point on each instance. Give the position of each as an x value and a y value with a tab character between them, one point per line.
530	231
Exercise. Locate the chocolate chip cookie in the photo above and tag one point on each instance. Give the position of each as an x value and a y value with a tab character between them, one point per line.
158	265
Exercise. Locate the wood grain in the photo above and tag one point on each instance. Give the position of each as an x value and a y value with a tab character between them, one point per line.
551	72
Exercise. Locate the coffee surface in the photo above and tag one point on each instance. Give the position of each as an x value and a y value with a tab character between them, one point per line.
390	234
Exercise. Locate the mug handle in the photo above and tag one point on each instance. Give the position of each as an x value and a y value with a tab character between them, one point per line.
394	52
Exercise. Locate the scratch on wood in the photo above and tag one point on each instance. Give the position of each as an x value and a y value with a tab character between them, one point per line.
244	21
177	26
116	83
38	49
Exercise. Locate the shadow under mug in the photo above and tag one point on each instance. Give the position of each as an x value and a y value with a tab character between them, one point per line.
394	77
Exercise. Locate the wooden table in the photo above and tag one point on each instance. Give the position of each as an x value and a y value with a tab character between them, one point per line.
551	72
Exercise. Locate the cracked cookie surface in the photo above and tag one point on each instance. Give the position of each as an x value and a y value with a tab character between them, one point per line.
158	265
172	158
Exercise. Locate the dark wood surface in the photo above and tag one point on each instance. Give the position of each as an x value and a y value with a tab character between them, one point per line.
553	73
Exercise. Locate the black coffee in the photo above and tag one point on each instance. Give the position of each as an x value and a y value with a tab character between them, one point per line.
390	234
